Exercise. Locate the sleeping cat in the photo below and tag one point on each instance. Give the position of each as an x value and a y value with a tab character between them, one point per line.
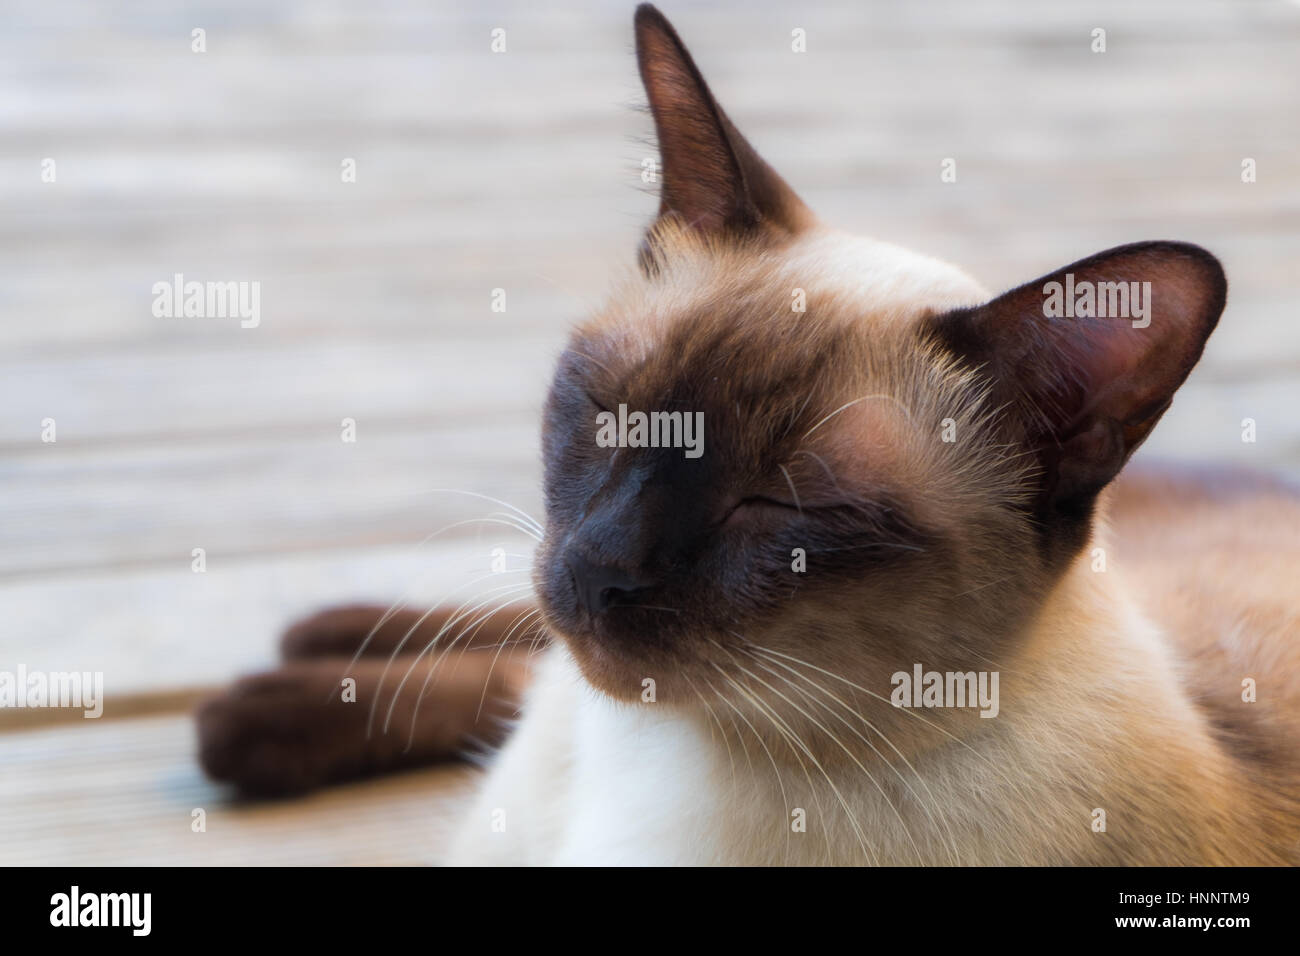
891	613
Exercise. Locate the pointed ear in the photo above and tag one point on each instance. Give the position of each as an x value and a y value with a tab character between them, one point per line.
712	178
1086	360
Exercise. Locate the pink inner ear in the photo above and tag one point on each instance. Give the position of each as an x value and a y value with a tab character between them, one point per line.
1114	360
1125	359
1135	361
1085	390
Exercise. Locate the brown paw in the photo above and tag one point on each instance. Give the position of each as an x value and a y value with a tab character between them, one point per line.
290	730
283	732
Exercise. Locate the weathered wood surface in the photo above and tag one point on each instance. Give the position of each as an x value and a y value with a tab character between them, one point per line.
518	171
125	792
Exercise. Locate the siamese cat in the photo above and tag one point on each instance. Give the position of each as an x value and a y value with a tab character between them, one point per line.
895	611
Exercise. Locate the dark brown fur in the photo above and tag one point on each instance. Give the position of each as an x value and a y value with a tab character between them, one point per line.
290	731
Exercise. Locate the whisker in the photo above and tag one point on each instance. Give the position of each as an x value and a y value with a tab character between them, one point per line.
399	605
739	737
537	525
721	730
843	802
512	591
907	711
888	742
475	626
864	398
516	522
874	749
776	771
505	640
987	585
790	482
790	740
433	673
402	602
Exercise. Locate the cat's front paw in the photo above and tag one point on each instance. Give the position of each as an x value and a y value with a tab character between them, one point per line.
280	733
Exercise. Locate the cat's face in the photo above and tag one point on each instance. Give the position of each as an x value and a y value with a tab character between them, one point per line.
871	469
820	509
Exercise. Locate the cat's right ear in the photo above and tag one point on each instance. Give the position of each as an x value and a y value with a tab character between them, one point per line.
1086	359
712	179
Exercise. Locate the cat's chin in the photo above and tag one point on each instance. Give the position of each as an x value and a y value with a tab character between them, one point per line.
620	670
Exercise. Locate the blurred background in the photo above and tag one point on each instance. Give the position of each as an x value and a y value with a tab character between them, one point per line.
478	171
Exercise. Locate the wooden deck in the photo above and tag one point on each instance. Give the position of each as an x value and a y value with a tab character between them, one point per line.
478	171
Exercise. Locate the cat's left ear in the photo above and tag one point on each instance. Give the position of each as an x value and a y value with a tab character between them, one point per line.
711	178
1086	359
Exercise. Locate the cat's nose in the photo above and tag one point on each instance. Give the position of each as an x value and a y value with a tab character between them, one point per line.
601	586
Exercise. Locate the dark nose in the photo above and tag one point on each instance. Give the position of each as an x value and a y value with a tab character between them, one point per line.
600	586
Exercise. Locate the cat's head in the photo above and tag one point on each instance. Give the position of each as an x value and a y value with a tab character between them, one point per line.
893	466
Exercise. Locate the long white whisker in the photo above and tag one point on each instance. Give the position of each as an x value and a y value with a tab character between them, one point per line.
511	590
906	831
721	730
776	771
402	602
537	525
505	640
392	610
843	802
864	398
790	740
910	713
870	726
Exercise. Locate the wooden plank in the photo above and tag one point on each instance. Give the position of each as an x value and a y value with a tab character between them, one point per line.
150	630
83	510
123	793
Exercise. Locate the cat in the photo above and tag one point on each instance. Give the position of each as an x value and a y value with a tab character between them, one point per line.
905	492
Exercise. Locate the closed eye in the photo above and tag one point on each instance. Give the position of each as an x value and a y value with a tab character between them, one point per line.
757	507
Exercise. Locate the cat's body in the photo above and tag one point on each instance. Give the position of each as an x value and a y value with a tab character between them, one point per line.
899	476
